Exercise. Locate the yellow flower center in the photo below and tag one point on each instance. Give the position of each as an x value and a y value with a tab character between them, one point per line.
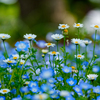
92	77
21	63
29	37
76	42
96	26
4	90
9	61
3	36
14	57
53	52
63	26
49	44
73	67
40	97
77	24
26	83
79	56
65	30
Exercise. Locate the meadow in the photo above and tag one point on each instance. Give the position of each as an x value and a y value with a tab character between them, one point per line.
68	71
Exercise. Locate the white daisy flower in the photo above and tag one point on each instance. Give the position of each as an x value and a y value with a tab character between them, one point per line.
95	26
4	91
42	96
86	42
63	26
49	44
79	56
24	56
44	51
77	25
92	76
9	61
15	56
57	36
4	36
30	36
27	82
76	41
53	53
22	62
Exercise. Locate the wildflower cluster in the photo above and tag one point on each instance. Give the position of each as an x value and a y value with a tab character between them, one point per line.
70	72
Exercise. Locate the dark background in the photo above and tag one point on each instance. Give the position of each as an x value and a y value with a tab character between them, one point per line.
41	16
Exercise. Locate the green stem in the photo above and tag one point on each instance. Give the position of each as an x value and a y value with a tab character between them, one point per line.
65	49
53	61
86	52
49	57
5	50
57	49
78	33
94	44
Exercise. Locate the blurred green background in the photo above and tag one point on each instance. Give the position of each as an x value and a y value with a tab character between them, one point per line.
18	17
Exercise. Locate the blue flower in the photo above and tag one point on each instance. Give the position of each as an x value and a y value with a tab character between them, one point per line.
22	46
41	44
71	81
46	87
2	98
28	96
59	78
98	98
96	89
47	73
95	69
51	80
13	91
25	77
17	98
85	86
24	89
67	69
77	89
31	84
35	89
70	98
85	63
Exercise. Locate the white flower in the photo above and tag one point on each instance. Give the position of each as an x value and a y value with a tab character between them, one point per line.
77	25
24	56
10	70
9	61
15	56
86	42
53	53
95	26
42	96
76	41
44	51
49	44
79	56
4	91
64	93
22	62
57	36
4	36
30	36
27	82
63	26
92	76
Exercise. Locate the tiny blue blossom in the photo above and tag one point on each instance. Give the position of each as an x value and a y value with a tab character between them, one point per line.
67	69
